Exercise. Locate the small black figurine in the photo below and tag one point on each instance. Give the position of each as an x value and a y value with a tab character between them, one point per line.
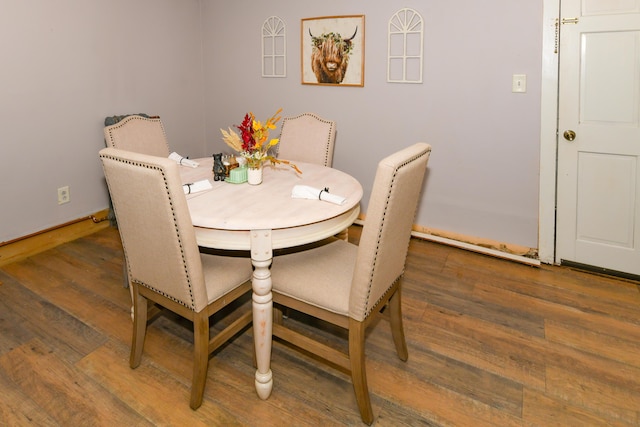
219	171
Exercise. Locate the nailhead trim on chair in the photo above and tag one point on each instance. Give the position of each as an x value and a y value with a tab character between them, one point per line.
136	117
184	261
331	123
375	258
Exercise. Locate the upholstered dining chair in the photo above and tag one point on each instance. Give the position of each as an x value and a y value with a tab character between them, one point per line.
307	138
163	260
348	285
139	134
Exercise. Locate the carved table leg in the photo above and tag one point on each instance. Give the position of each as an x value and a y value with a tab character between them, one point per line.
261	257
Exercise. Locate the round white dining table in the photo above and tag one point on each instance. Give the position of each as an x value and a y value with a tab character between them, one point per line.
264	217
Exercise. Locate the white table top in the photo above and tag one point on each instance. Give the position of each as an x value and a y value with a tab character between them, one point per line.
224	215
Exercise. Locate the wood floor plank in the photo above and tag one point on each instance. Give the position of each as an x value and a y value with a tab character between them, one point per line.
62	391
109	239
491	343
598	397
493	348
84	274
491	389
61	287
149	389
231	376
595	285
18	409
526	303
439	405
578	290
109	270
315	385
291	403
33	316
233	387
556	356
392	415
600	336
467	301
97	248
13	329
543	410
584	363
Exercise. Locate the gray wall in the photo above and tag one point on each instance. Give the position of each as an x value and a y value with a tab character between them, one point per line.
483	174
66	65
197	65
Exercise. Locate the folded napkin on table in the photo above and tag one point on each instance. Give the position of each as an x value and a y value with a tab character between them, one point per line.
182	160
306	192
197	186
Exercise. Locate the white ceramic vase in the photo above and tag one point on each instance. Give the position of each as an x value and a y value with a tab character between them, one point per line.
254	175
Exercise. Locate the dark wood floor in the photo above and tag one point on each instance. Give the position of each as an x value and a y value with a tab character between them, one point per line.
491	343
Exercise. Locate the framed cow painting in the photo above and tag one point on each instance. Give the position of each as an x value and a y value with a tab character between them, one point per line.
332	50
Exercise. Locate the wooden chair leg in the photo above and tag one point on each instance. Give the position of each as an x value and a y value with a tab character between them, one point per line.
278	314
358	369
139	326
200	358
397	330
125	274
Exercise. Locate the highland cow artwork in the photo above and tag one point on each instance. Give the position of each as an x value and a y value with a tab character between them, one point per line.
333	50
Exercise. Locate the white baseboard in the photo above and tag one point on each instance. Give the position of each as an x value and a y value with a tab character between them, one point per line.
471	247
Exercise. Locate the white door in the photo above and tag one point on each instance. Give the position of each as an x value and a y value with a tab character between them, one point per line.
598	196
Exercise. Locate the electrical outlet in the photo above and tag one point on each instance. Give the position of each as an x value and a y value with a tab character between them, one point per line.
63	195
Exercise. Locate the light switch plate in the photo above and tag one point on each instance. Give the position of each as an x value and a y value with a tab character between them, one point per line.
519	83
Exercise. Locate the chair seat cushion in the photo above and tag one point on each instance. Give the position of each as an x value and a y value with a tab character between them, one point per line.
224	273
320	276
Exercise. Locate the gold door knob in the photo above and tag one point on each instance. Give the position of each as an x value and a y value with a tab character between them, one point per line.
569	135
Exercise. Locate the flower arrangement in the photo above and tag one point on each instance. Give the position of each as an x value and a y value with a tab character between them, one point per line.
345	46
252	142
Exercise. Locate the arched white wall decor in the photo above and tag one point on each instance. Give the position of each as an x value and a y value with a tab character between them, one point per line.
404	63
274	48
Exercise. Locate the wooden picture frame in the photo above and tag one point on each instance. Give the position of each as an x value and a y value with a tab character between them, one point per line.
332	50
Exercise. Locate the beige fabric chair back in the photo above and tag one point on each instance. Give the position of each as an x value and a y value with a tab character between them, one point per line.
307	138
155	226
387	228
138	134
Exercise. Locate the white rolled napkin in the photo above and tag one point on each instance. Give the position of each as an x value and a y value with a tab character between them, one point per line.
312	193
197	186
182	160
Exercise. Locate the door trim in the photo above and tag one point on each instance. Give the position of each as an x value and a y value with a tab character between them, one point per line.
548	134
